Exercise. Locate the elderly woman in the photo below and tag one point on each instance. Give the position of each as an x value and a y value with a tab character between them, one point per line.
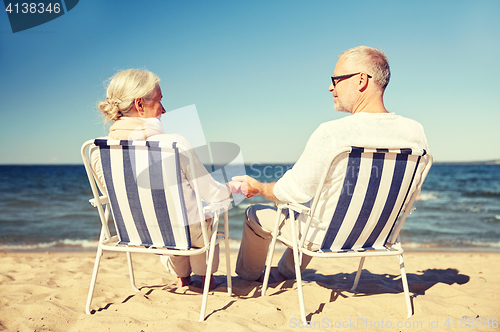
133	102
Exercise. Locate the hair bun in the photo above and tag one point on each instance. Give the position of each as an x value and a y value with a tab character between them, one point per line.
114	101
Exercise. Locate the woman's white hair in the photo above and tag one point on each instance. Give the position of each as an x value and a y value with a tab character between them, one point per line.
123	89
370	60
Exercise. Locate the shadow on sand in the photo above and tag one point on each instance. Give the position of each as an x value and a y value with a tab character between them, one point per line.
371	283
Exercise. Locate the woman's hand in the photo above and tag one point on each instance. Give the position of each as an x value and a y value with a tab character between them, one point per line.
234	187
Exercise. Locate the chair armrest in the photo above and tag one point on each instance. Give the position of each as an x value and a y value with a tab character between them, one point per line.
103	199
217	206
295	207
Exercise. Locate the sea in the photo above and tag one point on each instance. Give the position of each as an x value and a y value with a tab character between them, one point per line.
46	208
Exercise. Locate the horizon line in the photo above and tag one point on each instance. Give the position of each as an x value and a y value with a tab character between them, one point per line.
471	162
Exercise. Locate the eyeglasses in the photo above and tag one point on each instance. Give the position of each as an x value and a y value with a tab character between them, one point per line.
336	79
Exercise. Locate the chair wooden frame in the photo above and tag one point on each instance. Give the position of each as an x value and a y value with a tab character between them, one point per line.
392	246
107	242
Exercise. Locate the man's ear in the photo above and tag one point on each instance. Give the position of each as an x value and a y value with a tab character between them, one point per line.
363	82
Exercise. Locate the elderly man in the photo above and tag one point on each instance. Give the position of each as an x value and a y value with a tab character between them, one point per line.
360	78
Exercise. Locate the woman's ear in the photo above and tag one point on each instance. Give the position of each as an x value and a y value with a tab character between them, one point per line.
139	105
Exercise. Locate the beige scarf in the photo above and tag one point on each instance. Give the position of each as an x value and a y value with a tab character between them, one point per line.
135	128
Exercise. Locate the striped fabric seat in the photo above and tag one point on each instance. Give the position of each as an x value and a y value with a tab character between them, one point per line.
379	188
146	196
143	190
376	187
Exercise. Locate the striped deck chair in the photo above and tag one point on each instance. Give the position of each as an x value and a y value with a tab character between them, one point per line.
379	188
143	191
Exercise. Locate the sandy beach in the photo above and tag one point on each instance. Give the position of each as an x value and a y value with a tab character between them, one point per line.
451	291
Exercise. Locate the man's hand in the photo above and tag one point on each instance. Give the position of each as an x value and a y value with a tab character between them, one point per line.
251	187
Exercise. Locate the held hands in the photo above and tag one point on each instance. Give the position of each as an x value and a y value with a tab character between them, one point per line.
234	186
244	185
249	187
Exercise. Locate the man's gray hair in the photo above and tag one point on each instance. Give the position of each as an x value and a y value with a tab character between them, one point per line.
371	60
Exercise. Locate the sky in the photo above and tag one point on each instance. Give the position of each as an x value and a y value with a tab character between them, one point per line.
257	71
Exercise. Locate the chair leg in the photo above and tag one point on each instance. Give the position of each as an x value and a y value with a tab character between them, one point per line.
270	253
208	276
131	272
298	273
269	260
228	258
358	274
93	280
405	285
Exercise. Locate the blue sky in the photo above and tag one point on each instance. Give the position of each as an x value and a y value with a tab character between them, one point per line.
257	71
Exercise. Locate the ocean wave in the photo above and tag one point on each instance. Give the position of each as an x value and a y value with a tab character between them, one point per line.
234	245
492	219
427	196
77	245
65	243
21	203
483	194
474	243
75	216
420	245
461	245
